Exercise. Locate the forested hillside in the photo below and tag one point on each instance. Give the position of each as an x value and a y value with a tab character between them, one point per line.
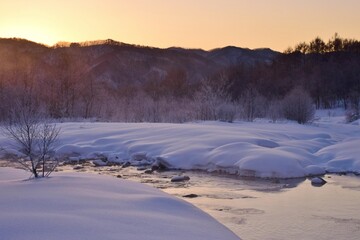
110	80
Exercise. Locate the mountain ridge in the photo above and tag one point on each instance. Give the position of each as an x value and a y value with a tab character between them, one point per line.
120	63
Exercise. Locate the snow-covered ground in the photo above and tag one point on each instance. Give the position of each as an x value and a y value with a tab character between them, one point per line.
81	206
84	206
260	149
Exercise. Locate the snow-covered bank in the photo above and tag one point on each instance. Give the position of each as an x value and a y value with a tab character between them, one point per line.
81	206
260	149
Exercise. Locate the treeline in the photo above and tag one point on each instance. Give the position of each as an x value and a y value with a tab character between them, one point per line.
58	83
335	44
331	75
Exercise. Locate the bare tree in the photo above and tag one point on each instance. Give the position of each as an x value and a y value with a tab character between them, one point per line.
35	138
211	99
274	110
252	104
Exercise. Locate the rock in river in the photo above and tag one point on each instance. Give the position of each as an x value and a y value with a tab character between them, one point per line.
99	163
318	181
180	178
192	195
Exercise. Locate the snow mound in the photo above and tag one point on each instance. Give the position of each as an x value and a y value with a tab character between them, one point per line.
81	206
268	150
343	156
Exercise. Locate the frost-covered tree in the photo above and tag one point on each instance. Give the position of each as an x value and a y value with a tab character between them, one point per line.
298	106
252	104
353	113
212	101
274	110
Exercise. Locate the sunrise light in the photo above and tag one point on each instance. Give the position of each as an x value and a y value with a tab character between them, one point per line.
192	24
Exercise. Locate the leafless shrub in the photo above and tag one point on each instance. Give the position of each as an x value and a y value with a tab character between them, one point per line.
226	112
352	115
298	106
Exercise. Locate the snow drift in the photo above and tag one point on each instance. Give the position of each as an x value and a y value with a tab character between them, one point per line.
85	206
260	149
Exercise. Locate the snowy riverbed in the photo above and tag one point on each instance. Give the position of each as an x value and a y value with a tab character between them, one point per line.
259	149
276	209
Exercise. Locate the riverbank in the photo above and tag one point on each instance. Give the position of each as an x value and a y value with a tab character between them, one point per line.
259	149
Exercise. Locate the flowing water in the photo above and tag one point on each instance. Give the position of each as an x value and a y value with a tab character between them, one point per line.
262	209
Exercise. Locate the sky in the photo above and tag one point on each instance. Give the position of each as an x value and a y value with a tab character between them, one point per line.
205	24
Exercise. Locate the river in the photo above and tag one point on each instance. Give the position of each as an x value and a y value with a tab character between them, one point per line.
256	208
262	209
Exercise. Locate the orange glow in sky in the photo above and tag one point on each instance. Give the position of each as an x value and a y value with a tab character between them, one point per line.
203	24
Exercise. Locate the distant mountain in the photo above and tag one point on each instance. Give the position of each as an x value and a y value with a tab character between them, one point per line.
115	64
230	55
